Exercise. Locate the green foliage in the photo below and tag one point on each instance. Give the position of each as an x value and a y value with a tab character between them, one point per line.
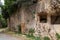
8	2
3	21
19	29
46	38
11	6
31	30
7	8
37	38
58	36
33	37
30	34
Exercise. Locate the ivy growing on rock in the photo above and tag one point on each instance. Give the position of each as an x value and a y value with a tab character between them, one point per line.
12	6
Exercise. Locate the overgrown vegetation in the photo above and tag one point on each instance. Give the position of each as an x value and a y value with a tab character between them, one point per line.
3	22
31	30
58	36
46	38
37	38
7	8
19	28
30	34
12	5
33	37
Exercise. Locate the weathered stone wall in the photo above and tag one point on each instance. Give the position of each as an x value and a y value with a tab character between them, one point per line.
57	28
14	21
23	15
29	17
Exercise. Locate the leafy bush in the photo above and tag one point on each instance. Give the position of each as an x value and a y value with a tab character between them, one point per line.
31	30
30	34
33	37
37	38
46	38
58	36
19	29
3	21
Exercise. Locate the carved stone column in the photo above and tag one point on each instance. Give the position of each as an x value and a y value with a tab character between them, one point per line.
48	18
51	30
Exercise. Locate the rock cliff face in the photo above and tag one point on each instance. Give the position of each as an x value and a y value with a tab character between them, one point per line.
30	17
49	8
23	16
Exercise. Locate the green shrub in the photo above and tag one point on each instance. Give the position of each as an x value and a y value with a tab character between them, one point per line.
4	24
31	30
33	37
3	21
19	29
58	36
30	36
46	38
37	38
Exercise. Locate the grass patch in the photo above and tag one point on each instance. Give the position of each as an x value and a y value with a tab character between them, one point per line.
30	34
37	38
33	37
46	38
